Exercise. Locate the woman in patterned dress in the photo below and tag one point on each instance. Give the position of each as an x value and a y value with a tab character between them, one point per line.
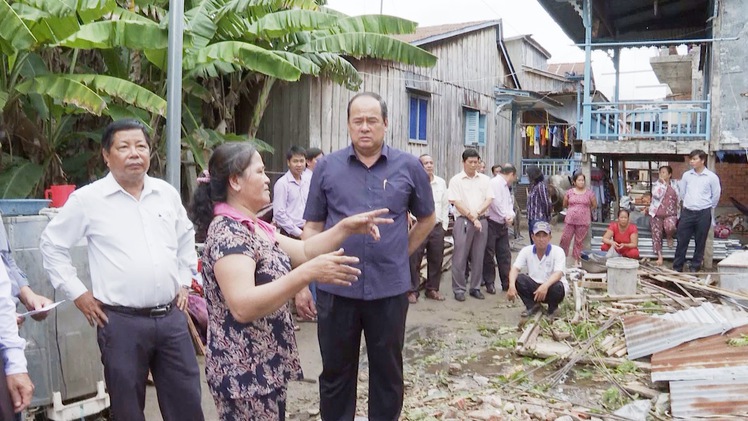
579	203
663	210
539	204
251	352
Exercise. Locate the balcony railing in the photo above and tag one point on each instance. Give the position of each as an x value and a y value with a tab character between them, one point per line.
549	167
642	120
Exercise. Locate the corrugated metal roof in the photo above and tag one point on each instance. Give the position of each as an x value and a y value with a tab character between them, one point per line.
646	335
564	69
429	34
633	20
702	398
702	359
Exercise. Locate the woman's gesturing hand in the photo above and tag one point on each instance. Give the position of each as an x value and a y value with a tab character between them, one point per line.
366	223
333	268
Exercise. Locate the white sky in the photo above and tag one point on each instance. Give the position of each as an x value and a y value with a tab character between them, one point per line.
523	17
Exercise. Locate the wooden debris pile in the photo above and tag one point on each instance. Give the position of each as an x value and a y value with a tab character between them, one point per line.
670	308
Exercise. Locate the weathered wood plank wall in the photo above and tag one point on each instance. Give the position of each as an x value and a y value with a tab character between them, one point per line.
468	69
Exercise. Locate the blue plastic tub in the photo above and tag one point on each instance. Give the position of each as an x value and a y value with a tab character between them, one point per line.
16	207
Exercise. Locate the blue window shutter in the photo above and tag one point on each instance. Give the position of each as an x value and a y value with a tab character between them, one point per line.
422	118
413	121
471	127
482	130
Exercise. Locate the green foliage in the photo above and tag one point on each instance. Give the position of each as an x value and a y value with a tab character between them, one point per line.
18	178
76	64
14	34
626	367
139	35
741	341
505	343
583	330
613	399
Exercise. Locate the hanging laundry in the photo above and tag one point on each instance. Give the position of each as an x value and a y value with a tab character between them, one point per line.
530	131
556	139
523	131
566	136
537	134
536	149
544	135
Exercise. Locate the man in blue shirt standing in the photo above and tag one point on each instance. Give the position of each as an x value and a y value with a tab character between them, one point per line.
367	175
700	190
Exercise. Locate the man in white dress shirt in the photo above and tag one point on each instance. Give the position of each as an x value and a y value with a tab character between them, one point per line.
433	246
545	281
141	251
17	389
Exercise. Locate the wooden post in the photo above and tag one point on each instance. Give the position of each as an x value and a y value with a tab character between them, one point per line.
708	262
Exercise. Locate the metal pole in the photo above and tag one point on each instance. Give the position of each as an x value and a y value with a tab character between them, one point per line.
381	6
587	20
174	94
617	65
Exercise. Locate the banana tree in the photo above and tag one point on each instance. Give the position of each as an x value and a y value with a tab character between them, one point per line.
50	88
315	41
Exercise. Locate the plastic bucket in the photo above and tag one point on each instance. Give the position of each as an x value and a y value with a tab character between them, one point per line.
622	278
59	194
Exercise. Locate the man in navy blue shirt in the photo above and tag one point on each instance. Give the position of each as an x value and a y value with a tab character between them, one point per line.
366	175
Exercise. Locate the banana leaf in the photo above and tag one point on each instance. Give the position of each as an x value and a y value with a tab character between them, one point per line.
370	45
14	34
18	179
65	90
137	35
248	56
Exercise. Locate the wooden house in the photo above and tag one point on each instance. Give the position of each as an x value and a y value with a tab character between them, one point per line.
439	110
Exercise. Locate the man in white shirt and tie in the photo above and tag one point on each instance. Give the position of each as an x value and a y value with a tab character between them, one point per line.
141	250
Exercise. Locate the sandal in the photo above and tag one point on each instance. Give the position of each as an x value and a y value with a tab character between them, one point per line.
412	297
530	311
434	295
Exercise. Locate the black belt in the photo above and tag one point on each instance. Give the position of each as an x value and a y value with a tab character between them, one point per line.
158	311
696	211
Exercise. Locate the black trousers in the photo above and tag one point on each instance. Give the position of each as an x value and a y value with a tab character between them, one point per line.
131	345
526	287
433	248
340	322
498	253
692	224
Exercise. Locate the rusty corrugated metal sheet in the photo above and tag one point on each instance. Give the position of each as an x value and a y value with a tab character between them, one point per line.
707	376
646	335
706	358
703	398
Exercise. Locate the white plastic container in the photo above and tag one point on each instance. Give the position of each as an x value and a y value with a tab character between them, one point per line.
622	278
733	273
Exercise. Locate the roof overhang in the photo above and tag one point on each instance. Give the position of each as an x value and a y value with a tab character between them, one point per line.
524	100
634	20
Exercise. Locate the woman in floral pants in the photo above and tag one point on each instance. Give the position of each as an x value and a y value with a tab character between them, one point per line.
663	210
579	202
